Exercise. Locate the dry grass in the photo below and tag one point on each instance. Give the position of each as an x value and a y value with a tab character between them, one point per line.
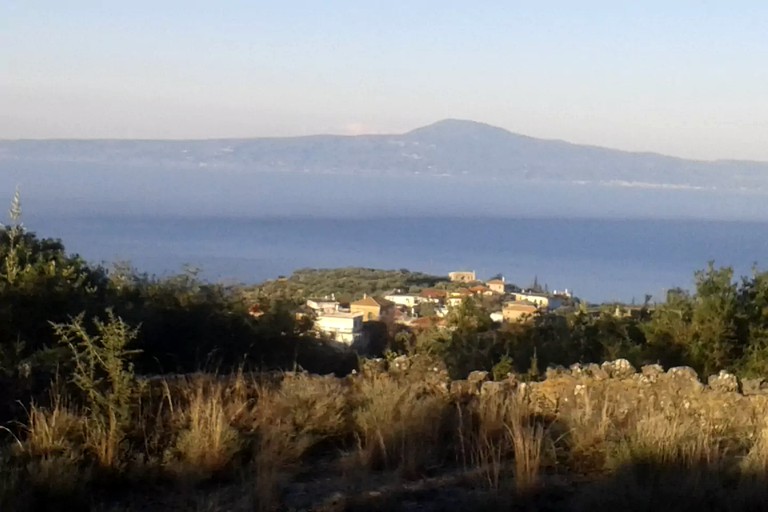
208	442
499	429
756	460
667	437
590	424
55	430
290	421
262	434
398	425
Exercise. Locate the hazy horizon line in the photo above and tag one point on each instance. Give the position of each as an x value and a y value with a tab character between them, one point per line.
378	134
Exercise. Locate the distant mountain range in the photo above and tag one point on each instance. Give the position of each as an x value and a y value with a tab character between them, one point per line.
447	148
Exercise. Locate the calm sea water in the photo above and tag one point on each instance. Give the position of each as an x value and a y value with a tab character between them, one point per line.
599	260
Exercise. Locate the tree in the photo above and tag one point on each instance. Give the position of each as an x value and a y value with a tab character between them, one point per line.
714	343
40	282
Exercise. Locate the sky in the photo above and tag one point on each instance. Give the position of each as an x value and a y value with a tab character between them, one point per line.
686	78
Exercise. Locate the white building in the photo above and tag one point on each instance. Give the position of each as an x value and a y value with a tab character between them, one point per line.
323	306
497	285
408	300
540	300
342	327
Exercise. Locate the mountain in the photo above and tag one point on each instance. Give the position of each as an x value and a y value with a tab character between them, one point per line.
450	168
446	148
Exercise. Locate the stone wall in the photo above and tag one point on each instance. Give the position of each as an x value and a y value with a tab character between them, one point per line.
723	400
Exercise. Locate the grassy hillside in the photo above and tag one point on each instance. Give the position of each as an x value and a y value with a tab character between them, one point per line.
346	283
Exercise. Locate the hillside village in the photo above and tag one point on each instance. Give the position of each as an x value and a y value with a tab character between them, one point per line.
350	323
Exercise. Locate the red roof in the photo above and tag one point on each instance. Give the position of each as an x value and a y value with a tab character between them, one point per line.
432	293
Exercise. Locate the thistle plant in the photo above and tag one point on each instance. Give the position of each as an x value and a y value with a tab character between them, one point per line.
14	231
105	376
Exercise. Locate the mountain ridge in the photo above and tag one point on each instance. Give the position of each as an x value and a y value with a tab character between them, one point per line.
446	148
436	124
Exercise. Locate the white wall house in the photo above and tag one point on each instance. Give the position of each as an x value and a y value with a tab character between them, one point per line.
323	306
403	299
342	327
497	285
538	299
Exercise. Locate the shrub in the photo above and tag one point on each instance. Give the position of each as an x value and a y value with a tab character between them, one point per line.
104	376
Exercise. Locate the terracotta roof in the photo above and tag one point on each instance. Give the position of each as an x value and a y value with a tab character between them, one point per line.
479	289
432	293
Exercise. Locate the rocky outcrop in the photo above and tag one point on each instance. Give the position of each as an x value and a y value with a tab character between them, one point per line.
723	381
618	369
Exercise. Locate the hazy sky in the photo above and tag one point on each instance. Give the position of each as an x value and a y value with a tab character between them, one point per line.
687	78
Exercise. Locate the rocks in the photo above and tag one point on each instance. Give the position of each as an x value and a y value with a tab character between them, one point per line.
374	366
649	374
417	368
724	382
652	371
595	371
758	386
556	371
684	378
618	369
478	377
400	363
490	388
683	372
463	388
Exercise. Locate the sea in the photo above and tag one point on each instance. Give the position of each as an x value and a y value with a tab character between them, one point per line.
599	260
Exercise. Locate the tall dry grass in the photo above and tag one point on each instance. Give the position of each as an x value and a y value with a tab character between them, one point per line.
54	430
591	423
499	435
399	425
755	462
207	442
667	436
289	422
262	433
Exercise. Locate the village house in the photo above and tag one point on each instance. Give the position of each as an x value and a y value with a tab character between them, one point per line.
373	309
456	297
515	311
342	327
323	306
408	300
480	290
433	295
462	277
541	300
497	285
